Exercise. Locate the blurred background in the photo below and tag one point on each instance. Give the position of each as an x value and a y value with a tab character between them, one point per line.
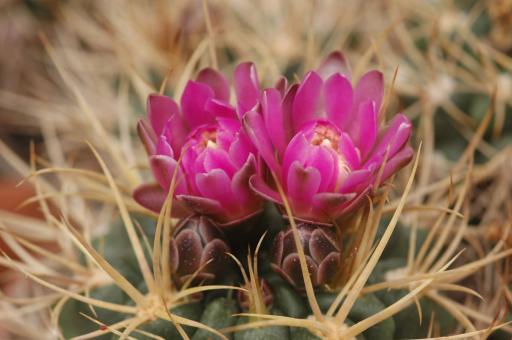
78	71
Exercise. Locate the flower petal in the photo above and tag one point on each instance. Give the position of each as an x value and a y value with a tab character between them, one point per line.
216	185
274	120
216	81
336	62
150	196
369	87
240	184
296	151
364	128
356	181
395	136
326	205
201	205
287	108
401	159
176	131
302	185
261	188
247	87
240	149
228	126
219	108
147	136
191	163
338	100
349	151
163	148
281	85
193	104
353	204
163	168
217	158
306	100
255	128
325	161
160	109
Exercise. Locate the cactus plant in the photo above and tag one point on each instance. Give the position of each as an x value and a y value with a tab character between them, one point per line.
304	155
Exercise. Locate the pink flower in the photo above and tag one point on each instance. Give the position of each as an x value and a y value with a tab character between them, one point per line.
217	157
323	140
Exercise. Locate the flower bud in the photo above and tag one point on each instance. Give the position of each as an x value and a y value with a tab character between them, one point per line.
198	247
321	248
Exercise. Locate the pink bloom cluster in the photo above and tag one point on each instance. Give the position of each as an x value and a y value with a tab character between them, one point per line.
321	138
217	158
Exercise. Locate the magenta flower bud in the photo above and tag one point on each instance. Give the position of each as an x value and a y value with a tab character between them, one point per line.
321	248
323	141
217	156
198	247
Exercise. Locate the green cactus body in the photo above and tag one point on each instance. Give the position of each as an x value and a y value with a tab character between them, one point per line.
408	318
409	321
166	329
297	333
289	301
73	324
363	308
218	309
398	246
304	334
293	305
218	314
120	255
266	333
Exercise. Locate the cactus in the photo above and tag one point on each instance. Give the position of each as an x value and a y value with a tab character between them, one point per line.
271	333
166	329
296	205
219	313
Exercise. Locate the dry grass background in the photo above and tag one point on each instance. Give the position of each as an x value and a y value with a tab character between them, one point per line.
79	71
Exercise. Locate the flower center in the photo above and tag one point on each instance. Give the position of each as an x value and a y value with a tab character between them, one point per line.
209	138
325	135
211	144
